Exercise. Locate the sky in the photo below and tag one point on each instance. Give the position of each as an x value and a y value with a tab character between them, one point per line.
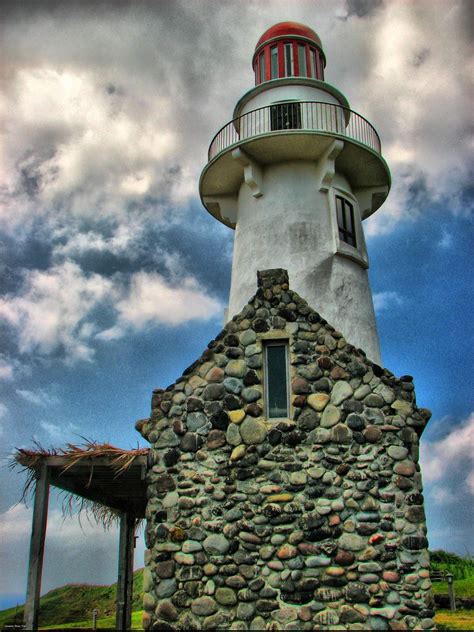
113	275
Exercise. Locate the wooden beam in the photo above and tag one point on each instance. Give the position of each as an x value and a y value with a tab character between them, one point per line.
38	534
125	571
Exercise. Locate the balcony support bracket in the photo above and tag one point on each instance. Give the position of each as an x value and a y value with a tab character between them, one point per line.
252	172
327	165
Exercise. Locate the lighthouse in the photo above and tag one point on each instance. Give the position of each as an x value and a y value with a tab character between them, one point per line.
295	173
283	483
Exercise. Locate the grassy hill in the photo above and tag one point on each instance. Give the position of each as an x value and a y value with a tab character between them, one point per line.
75	602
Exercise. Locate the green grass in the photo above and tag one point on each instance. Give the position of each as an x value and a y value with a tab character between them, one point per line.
463	588
105	622
75	602
457	620
459	567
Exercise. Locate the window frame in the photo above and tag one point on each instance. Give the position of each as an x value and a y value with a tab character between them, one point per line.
345	221
278	342
358	253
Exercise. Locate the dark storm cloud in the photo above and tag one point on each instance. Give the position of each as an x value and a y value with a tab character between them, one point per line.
363	8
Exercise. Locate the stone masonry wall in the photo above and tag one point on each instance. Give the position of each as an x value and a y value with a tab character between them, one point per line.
308	523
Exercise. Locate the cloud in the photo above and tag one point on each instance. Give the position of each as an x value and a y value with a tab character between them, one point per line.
6	368
58	310
76	550
386	300
150	300
362	8
450	457
3	414
446	240
53	312
38	397
56	432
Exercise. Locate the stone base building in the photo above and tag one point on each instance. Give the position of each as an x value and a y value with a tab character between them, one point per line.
283	483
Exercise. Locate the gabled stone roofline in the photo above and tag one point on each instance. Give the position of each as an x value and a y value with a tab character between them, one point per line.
271	284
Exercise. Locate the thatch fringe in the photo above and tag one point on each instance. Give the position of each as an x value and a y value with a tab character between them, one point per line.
29	460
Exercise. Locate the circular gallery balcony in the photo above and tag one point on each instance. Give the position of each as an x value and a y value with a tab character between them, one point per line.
296	130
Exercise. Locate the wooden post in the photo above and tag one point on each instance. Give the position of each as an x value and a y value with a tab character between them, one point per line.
38	534
452	600
125	572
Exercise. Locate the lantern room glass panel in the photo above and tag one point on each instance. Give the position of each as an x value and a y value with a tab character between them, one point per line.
274	62
302	60
262	67
289	61
314	67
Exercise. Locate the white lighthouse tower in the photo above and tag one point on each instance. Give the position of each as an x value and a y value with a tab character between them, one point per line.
295	173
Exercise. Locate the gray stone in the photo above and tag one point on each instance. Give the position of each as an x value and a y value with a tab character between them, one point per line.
226	596
191	546
340	392
236	368
373	400
247	337
330	416
351	542
308	420
397	452
310	371
218	621
213	392
216	544
233	435
252	431
167	439
340	433
194	421
204	606
233	385
245	610
316	561
166	588
251	394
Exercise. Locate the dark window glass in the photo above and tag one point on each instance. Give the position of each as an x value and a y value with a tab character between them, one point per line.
289	60
345	221
285	116
276	381
274	62
262	67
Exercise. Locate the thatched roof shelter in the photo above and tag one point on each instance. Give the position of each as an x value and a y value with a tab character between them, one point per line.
105	481
97	477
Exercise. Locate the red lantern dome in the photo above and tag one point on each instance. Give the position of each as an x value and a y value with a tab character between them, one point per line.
288	49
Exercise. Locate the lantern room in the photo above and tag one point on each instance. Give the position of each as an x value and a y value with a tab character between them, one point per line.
288	49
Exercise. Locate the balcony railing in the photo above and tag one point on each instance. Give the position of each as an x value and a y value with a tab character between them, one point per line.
296	116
